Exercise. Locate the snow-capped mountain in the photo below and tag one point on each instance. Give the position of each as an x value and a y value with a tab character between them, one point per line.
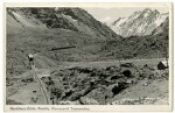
140	23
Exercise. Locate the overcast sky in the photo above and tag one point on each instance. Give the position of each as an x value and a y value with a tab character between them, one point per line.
108	15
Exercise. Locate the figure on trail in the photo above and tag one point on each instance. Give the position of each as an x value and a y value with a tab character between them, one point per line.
32	65
31	61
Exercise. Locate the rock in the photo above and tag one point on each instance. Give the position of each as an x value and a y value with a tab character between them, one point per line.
162	65
127	65
127	73
27	80
88	101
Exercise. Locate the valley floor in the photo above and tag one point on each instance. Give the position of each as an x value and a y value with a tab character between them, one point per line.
102	82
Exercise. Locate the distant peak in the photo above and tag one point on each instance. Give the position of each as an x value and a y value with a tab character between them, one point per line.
146	11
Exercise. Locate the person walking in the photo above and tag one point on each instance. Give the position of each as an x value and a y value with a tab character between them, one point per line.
31	61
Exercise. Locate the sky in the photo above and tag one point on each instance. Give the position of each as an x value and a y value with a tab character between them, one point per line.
108	15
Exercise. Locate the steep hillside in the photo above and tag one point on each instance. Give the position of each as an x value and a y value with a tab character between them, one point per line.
84	17
75	19
38	30
140	23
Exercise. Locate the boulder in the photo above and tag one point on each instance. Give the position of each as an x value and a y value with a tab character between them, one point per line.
162	65
88	101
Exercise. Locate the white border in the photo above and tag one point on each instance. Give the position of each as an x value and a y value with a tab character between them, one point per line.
113	108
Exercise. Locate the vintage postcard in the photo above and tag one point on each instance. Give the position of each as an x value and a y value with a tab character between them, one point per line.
88	57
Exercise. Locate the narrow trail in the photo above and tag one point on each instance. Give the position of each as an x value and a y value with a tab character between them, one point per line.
24	91
42	87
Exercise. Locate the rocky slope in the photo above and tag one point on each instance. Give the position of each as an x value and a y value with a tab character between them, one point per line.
90	84
140	23
163	28
75	19
154	46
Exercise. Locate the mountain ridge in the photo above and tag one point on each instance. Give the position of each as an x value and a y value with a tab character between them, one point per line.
140	23
75	19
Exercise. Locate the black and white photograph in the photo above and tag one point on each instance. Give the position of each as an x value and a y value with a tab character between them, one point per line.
77	55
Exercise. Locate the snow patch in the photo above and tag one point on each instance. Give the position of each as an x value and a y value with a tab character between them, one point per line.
160	19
